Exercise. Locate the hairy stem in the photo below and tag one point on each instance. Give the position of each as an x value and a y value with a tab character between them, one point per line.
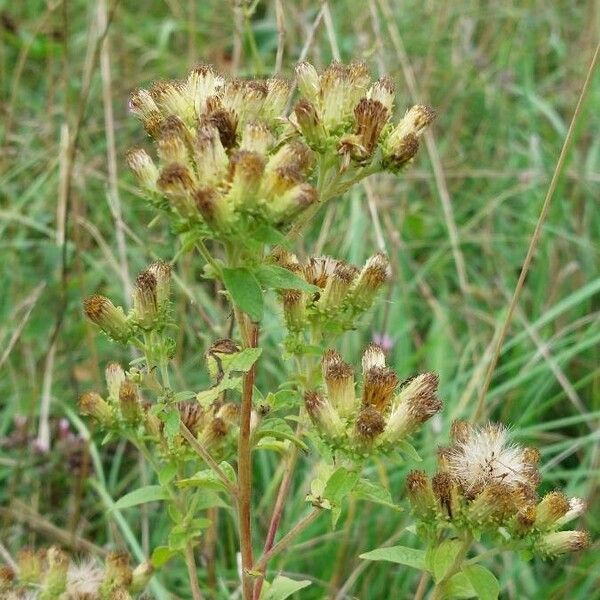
282	495
250	334
191	569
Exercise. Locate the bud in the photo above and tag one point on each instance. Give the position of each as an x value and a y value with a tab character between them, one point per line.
378	388
145	305
219	355
383	91
114	376
561	542
369	424
337	287
278	91
215	209
460	431
373	357
177	181
372	277
143	168
161	271
248	168
294	309
370	116
152	424
416	403
420	495
172	98
172	147
323	415
294	156
308	81
210	156
201	84
401	153
142	105
292	202
226	123
93	405
309	122
111	319
446	492
551	508
339	379
129	400
30	565
256	138
213	433
494	504
414	122
55	580
141	576
117	574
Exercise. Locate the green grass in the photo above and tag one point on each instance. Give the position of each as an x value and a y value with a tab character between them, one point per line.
504	77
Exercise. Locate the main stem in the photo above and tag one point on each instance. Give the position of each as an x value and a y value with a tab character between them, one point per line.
249	333
438	590
192	572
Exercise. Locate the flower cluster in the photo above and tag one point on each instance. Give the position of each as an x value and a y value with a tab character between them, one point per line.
343	112
150	309
385	414
214	426
231	161
222	163
52	575
342	293
486	484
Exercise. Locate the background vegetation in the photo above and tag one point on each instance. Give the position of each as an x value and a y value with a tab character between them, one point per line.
505	78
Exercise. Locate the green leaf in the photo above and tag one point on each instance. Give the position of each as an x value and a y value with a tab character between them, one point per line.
149	493
283	587
458	586
167	473
338	486
279	429
278	278
367	490
161	555
243	361
244	290
400	555
206	397
170	417
484	582
442	557
269	235
408	450
208	479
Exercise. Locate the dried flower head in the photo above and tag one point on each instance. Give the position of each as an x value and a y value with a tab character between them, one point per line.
110	318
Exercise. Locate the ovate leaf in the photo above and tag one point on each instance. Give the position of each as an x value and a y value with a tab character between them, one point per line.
149	493
283	587
244	289
278	278
441	558
484	582
400	555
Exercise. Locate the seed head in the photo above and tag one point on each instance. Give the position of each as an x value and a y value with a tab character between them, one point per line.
294	309
370	116
201	84
373	357
308	81
278	91
210	155
256	137
337	286
161	271
309	122
461	431
383	91
192	415
420	495
370	280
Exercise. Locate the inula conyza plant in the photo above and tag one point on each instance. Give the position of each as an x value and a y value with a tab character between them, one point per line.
238	174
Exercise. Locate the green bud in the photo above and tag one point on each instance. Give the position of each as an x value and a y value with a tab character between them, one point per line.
111	319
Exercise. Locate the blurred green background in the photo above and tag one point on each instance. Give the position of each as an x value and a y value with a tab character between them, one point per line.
504	77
